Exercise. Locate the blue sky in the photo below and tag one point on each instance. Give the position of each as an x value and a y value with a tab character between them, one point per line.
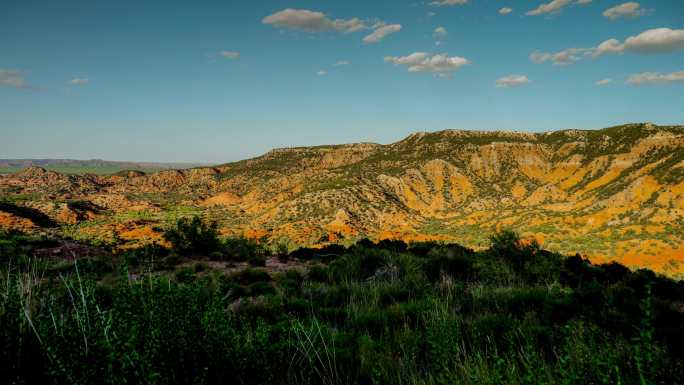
162	80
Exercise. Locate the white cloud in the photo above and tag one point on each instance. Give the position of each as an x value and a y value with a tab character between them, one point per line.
312	21
552	7
79	81
540	57
441	65
583	2
449	2
608	46
564	57
505	11
629	9
440	33
657	40
604	82
342	63
652	41
12	78
230	54
649	78
382	32
322	72
512	81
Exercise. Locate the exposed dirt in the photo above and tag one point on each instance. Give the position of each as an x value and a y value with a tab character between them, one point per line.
616	193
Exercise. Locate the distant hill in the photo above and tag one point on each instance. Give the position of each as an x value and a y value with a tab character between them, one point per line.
92	166
611	194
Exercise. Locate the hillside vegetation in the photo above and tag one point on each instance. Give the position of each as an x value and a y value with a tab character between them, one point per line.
615	194
215	310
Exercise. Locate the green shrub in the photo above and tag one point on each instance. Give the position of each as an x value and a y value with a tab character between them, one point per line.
169	262
241	249
193	236
249	276
261	288
185	275
368	317
318	273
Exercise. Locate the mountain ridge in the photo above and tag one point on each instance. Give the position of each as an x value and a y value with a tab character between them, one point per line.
82	166
612	194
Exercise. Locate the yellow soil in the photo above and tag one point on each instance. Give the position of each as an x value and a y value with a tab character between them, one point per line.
223	199
12	222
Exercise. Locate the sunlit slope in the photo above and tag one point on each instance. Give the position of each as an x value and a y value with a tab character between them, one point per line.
616	193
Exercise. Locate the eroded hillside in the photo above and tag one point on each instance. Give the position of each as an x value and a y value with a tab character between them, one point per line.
616	193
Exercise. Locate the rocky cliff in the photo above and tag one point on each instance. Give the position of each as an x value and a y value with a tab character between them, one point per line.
611	194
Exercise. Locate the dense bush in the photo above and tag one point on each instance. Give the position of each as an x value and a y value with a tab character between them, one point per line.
242	249
372	313
193	236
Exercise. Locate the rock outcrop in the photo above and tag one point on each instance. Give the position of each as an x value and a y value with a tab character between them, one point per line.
615	193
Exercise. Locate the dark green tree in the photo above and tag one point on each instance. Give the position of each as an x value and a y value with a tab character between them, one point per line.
193	236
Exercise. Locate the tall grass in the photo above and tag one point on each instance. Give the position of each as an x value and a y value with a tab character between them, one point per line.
368	317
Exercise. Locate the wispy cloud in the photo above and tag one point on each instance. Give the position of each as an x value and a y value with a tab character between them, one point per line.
561	58
12	78
312	21
79	81
505	11
441	3
439	34
512	81
381	32
652	78
322	73
626	10
441	65
552	7
342	63
230	54
604	82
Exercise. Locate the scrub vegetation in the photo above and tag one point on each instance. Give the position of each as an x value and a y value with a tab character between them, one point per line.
209	310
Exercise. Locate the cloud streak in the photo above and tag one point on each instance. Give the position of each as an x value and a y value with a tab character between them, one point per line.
449	3
561	58
554	6
441	65
381	33
655	78
79	81
312	21
12	78
626	10
512	81
230	54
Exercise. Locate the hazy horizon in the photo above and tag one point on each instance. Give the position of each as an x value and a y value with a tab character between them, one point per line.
200	163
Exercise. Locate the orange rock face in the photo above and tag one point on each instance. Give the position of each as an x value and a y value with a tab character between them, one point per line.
611	194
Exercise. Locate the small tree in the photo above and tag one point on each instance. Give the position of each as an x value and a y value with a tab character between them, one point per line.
193	236
507	244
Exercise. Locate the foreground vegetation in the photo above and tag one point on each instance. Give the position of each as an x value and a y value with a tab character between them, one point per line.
207	311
